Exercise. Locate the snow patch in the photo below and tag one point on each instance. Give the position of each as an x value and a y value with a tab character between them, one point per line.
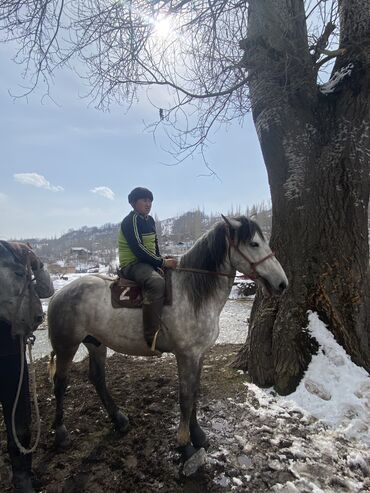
330	86
334	389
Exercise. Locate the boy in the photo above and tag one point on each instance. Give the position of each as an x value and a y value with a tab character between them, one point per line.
140	259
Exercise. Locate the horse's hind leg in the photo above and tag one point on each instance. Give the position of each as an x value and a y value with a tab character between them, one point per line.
98	356
63	363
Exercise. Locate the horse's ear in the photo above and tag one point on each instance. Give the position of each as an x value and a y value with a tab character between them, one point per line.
232	223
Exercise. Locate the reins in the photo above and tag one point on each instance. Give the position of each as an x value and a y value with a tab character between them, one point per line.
21	448
203	271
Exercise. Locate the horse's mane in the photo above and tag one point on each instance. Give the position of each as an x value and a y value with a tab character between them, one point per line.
208	253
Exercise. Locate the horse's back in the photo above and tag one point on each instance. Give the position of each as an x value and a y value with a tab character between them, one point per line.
78	289
75	302
83	308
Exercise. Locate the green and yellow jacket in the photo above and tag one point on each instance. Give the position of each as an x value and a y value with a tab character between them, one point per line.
138	242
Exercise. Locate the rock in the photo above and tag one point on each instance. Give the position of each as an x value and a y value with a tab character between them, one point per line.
317	389
244	460
222	480
195	462
237	481
220	424
275	465
286	488
131	461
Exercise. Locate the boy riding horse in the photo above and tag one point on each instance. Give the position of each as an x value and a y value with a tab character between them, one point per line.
140	260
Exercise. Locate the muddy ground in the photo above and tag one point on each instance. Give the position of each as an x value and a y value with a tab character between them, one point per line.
251	449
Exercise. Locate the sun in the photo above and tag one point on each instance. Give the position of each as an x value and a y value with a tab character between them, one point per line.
162	27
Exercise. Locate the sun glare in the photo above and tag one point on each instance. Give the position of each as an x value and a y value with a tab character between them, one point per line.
162	27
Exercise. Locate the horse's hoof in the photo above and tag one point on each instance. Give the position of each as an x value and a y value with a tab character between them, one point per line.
199	438
62	438
196	461
186	451
121	422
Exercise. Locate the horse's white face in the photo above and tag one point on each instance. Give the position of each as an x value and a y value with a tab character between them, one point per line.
268	272
19	302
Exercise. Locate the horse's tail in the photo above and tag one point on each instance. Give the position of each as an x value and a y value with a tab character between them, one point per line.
52	366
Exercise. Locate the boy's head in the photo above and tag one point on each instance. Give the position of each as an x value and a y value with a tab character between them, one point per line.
141	200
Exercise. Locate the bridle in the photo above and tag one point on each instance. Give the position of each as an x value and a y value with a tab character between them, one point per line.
253	274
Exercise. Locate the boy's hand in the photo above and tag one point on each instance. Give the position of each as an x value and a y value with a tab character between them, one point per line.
170	263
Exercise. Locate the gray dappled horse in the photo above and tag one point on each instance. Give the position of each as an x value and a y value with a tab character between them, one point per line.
189	327
20	304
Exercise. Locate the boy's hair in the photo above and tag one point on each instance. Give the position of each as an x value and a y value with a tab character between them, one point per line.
139	193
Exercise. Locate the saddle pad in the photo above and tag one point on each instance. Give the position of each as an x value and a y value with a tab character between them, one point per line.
127	294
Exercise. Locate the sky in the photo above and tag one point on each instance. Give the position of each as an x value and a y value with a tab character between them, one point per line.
65	164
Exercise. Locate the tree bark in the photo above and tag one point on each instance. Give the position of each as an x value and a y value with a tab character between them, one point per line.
316	151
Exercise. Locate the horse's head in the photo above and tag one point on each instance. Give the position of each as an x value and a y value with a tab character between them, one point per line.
19	304
250	254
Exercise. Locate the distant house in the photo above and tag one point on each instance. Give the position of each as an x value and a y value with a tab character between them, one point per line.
80	251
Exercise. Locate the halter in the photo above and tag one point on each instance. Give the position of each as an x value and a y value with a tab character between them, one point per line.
253	274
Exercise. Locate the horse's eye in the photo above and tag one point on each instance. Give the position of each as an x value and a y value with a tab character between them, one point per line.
254	244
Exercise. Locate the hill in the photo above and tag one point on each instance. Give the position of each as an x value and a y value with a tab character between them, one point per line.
90	246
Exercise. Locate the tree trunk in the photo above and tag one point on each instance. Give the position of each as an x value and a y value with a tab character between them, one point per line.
316	151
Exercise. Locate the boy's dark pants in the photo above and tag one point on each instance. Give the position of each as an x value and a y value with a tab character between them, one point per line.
153	287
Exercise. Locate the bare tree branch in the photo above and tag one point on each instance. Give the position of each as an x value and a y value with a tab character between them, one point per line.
118	49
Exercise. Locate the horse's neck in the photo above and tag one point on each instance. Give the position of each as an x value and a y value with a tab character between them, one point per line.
220	295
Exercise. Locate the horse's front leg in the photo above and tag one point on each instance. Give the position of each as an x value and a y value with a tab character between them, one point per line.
198	437
190	436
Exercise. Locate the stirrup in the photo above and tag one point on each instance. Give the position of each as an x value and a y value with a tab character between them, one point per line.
154	343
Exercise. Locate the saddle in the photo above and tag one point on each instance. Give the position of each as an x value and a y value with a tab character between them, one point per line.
127	294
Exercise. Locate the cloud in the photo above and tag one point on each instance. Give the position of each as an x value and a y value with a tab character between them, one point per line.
3	198
104	192
36	180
